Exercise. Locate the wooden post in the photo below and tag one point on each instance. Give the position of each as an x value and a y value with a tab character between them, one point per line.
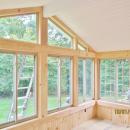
44	37
43	70
40	26
97	78
75	80
44	85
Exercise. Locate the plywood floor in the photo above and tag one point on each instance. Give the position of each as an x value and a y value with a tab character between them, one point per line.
100	125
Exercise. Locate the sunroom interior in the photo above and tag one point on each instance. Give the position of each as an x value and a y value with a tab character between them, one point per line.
65	65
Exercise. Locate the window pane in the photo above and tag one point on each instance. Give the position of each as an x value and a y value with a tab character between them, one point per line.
53	65
22	27
115	80
81	48
7	87
26	86
65	82
57	37
108	78
123	81
80	80
89	78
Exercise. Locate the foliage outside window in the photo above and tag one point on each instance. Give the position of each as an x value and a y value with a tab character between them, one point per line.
85	79
57	37
115	80
21	27
59	82
17	87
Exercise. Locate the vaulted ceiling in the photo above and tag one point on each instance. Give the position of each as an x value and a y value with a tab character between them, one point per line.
104	24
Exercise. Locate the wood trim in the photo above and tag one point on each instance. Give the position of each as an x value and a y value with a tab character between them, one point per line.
20	11
40	26
44	84
112	104
44	35
18	46
114	54
75	81
96	79
56	51
70	110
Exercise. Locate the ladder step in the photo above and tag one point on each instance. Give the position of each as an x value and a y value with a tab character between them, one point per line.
19	107
23	78
20	88
20	98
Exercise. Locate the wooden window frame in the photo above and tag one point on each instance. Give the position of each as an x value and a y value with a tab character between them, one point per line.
58	25
16	120
82	44
26	11
116	79
59	107
42	51
85	82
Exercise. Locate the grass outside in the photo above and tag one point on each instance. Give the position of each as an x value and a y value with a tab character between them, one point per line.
5	105
53	102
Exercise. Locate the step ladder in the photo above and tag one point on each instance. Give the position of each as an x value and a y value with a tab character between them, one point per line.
25	89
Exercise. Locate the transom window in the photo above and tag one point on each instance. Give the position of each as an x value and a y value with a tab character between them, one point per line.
81	48
115	79
20	27
57	37
59	82
85	79
17	87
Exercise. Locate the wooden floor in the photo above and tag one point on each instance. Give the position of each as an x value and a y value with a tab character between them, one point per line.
100	125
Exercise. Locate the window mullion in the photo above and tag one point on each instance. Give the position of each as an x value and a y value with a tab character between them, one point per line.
35	84
16	89
116	91
59	82
71	84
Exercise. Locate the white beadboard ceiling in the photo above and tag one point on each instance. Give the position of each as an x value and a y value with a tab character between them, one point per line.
104	24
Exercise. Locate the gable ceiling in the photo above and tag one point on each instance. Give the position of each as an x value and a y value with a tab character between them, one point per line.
104	24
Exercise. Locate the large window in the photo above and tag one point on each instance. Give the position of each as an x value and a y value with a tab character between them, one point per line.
59	82
57	37
17	87
21	27
85	79
115	80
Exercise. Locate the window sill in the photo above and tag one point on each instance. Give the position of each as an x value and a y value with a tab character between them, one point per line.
70	110
54	115
88	102
59	109
112	104
25	123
